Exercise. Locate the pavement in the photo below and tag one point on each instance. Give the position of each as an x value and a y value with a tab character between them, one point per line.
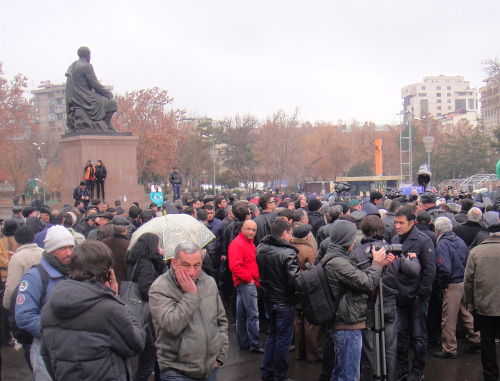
241	365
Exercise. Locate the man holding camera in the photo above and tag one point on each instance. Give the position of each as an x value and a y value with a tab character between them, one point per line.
373	230
413	296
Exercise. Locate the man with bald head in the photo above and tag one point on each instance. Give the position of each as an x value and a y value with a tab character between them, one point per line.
243	265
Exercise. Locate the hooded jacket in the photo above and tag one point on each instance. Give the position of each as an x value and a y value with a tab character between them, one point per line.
88	334
451	254
350	287
278	269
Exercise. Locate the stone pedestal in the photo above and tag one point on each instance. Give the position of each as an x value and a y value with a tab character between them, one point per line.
119	156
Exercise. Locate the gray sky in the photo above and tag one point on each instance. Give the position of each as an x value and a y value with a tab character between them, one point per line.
334	60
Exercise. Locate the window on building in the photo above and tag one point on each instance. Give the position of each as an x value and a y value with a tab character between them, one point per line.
471	104
449	107
59	116
448	95
438	101
448	87
449	100
423	87
459	103
51	109
59	101
422	94
438	87
438	95
439	107
424	105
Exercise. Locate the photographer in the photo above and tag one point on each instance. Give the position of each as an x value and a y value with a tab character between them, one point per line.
372	228
413	295
349	286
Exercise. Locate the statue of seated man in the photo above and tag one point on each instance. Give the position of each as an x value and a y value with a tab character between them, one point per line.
89	105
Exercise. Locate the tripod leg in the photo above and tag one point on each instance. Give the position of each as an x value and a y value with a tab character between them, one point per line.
382	333
376	332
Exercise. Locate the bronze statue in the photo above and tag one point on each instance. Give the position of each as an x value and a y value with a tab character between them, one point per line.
89	105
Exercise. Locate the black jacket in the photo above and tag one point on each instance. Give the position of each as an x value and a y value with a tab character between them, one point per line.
426	229
420	244
461	217
278	268
390	280
100	172
175	178
324	232
36	224
88	334
468	231
264	222
146	272
316	220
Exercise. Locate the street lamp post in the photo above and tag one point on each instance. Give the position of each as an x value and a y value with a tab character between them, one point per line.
43	163
213	154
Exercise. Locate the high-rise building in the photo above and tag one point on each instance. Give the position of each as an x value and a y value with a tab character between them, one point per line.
49	110
441	95
490	103
49	107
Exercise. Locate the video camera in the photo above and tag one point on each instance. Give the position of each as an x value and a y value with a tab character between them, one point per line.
342	187
392	193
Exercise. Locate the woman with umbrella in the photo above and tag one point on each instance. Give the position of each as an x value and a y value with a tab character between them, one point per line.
145	264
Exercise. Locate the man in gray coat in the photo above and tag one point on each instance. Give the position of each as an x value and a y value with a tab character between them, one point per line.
189	319
481	290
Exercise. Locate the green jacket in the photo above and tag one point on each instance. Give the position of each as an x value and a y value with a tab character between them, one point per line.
191	329
350	285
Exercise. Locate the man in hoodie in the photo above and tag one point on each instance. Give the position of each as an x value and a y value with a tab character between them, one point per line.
59	244
246	280
451	253
349	287
278	269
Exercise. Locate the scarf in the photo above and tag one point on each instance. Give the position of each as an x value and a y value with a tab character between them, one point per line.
54	262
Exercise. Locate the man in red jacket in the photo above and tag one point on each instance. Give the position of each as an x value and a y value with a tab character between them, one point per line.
243	265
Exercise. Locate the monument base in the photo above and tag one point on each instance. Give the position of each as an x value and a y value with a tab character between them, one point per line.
119	156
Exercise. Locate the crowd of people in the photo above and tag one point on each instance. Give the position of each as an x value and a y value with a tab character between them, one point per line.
62	272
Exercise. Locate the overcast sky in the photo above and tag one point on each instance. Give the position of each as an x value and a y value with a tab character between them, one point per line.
332	59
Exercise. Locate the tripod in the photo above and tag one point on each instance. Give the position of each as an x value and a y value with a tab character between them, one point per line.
378	329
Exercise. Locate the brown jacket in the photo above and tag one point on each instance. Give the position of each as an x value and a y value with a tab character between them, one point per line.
118	245
481	284
306	254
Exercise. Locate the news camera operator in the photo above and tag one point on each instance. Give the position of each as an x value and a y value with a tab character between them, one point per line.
373	228
413	296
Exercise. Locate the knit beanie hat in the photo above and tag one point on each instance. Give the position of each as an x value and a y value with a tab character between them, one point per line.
24	234
343	233
314	204
58	236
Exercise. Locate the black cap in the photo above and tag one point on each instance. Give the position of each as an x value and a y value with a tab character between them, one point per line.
17	209
9	227
302	231
45	210
428	198
119	220
493	228
27	211
107	215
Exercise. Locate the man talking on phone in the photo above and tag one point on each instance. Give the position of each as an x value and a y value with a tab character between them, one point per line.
189	319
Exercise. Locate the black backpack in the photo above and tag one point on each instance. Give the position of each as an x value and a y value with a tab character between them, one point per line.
316	299
22	336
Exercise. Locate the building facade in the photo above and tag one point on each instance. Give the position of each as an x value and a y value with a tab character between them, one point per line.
440	96
490	103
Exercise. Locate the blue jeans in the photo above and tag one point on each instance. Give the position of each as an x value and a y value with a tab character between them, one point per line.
177	191
415	313
247	317
348	345
147	358
391	344
278	342
174	375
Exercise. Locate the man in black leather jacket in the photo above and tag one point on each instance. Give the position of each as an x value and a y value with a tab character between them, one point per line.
278	269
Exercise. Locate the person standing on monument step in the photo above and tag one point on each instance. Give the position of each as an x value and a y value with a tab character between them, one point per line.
100	175
89	171
175	179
